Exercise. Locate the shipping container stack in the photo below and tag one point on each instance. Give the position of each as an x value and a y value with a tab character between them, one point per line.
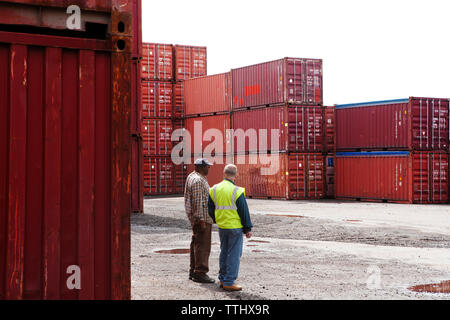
279	102
156	87
285	98
164	68
393	151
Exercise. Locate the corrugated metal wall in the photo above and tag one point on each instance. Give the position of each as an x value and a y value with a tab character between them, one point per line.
56	153
208	95
410	124
409	177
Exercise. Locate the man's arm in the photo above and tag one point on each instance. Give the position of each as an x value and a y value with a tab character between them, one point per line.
212	209
244	213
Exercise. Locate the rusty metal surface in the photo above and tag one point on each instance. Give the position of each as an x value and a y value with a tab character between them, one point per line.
96	5
67	103
47	17
137	191
137	173
137	29
121	151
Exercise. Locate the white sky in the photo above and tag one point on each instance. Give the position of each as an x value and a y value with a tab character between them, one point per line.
372	50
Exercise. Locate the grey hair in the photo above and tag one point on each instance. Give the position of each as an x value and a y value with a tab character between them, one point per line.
230	170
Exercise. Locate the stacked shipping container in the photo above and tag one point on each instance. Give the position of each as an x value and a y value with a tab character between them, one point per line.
393	150
284	99
157	95
268	116
164	69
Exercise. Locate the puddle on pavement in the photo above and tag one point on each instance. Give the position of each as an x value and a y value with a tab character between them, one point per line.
173	251
259	241
252	245
443	287
285	215
257	251
353	220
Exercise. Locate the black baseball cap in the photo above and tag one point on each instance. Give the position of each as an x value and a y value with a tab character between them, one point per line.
202	162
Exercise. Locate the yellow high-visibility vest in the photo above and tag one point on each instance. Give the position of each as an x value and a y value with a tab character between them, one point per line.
224	196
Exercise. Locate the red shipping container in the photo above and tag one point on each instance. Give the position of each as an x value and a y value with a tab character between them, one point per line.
329	129
206	133
158	176
156	99
215	174
285	176
157	137
178	100
157	61
208	95
299	129
329	175
289	80
190	62
406	124
65	153
398	176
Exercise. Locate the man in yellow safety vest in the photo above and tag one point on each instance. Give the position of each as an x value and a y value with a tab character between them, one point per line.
228	208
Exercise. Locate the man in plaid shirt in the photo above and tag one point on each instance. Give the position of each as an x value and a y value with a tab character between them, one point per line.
196	195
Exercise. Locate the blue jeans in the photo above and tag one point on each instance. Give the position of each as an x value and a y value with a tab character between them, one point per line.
231	242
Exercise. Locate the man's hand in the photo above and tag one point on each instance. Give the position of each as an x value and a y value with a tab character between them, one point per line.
248	235
200	223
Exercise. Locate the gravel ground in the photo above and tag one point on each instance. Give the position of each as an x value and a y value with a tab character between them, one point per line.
303	250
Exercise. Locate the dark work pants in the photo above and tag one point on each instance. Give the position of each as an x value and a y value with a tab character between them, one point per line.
200	248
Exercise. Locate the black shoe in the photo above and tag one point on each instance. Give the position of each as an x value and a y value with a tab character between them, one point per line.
202	278
191	275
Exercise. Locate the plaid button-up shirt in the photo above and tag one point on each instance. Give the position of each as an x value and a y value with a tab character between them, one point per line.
196	195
